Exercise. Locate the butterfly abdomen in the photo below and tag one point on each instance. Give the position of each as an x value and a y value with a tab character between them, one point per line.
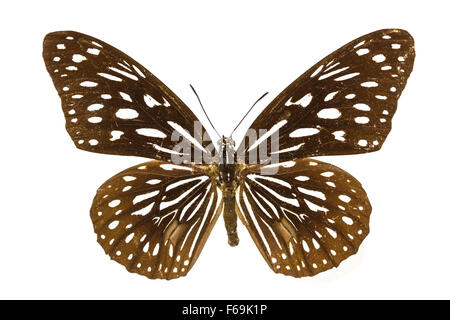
227	174
230	217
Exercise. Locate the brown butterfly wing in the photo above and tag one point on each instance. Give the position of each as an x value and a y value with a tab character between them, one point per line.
305	219
154	218
112	104
344	104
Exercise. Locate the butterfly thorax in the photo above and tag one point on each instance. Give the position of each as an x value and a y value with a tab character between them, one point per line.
227	157
227	181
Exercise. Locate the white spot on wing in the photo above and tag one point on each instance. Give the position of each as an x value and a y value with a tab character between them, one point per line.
329	113
127	113
339	135
93	51
150	101
304	101
330	96
78	58
116	135
125	96
303	132
149	132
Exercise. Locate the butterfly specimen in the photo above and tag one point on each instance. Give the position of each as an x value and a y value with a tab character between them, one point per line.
305	217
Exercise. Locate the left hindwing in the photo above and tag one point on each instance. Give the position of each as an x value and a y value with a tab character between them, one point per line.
305	219
342	105
154	218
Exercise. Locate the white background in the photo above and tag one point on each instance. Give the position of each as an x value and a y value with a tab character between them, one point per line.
232	52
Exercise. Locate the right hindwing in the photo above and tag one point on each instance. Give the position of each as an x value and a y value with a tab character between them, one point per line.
305	219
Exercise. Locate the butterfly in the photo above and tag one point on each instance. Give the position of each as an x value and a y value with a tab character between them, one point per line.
306	217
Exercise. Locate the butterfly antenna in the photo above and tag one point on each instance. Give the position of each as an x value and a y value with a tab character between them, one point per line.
198	98
248	113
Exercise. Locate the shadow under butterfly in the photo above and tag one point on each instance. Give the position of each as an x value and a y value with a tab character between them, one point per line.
155	218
